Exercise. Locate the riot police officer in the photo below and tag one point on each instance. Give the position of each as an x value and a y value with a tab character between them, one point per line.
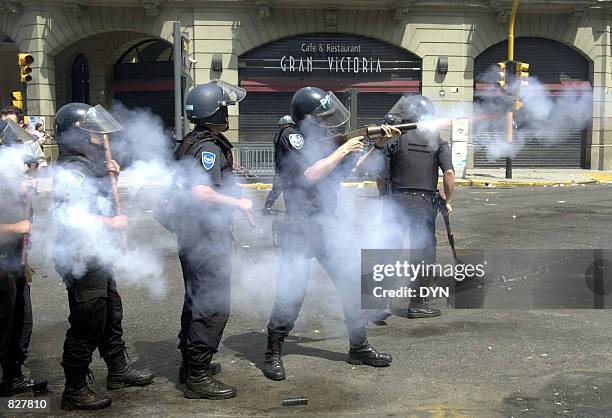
86	219
205	197
310	170
413	160
15	223
284	122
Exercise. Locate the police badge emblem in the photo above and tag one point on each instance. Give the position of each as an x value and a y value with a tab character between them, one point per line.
296	141
208	160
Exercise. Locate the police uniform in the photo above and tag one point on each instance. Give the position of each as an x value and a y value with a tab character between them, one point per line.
205	243
277	188
413	160
312	230
95	305
15	305
82	189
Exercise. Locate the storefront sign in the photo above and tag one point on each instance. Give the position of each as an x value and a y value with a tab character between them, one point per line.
334	64
325	55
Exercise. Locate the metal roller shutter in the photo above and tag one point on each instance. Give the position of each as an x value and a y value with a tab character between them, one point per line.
372	107
546	149
259	115
160	103
552	63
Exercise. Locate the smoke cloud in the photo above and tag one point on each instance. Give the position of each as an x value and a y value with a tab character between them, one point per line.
544	117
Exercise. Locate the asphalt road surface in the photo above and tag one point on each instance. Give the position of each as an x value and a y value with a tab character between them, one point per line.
471	363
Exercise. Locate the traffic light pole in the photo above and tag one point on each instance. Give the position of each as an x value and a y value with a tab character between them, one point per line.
178	96
25	98
510	116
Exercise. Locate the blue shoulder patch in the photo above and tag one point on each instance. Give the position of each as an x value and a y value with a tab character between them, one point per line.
208	160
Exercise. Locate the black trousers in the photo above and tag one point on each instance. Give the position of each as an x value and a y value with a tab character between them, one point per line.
95	319
15	320
206	261
413	212
273	195
318	237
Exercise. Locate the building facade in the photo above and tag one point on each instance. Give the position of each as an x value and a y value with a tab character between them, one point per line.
368	52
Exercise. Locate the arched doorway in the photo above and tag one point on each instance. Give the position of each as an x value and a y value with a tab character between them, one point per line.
559	68
367	74
143	77
80	79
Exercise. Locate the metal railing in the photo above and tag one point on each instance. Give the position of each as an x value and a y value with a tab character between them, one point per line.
257	158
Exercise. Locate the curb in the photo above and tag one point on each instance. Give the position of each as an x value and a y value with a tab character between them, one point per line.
465	182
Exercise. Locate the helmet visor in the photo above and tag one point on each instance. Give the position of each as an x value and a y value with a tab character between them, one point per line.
331	113
14	134
98	120
231	94
401	107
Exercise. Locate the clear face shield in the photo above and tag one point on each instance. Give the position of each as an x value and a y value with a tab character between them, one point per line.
231	95
331	113
401	108
21	147
98	121
14	134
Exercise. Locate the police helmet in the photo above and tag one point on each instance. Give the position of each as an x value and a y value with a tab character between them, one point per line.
286	120
390	119
207	103
67	117
322	108
74	124
413	108
424	107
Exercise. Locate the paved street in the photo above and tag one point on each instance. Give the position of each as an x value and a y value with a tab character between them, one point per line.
469	363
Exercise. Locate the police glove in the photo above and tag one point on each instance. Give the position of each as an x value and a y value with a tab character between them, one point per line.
388	133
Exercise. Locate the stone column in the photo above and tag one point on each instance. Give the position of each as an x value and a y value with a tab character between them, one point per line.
600	147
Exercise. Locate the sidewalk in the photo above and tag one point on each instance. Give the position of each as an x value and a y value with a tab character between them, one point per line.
496	177
493	177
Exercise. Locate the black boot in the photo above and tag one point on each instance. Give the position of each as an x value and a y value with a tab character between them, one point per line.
201	385
418	308
77	395
273	363
378	317
267	211
121	374
15	383
366	354
215	368
24	384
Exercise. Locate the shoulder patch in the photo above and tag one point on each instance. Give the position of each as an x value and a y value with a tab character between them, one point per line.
208	160
75	179
296	141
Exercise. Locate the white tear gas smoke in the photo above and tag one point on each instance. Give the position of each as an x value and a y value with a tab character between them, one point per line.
544	118
82	242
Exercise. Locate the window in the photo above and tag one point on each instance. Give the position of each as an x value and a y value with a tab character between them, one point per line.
80	79
149	51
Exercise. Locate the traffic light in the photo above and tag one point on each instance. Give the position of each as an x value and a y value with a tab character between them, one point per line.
25	60
17	99
522	73
501	75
